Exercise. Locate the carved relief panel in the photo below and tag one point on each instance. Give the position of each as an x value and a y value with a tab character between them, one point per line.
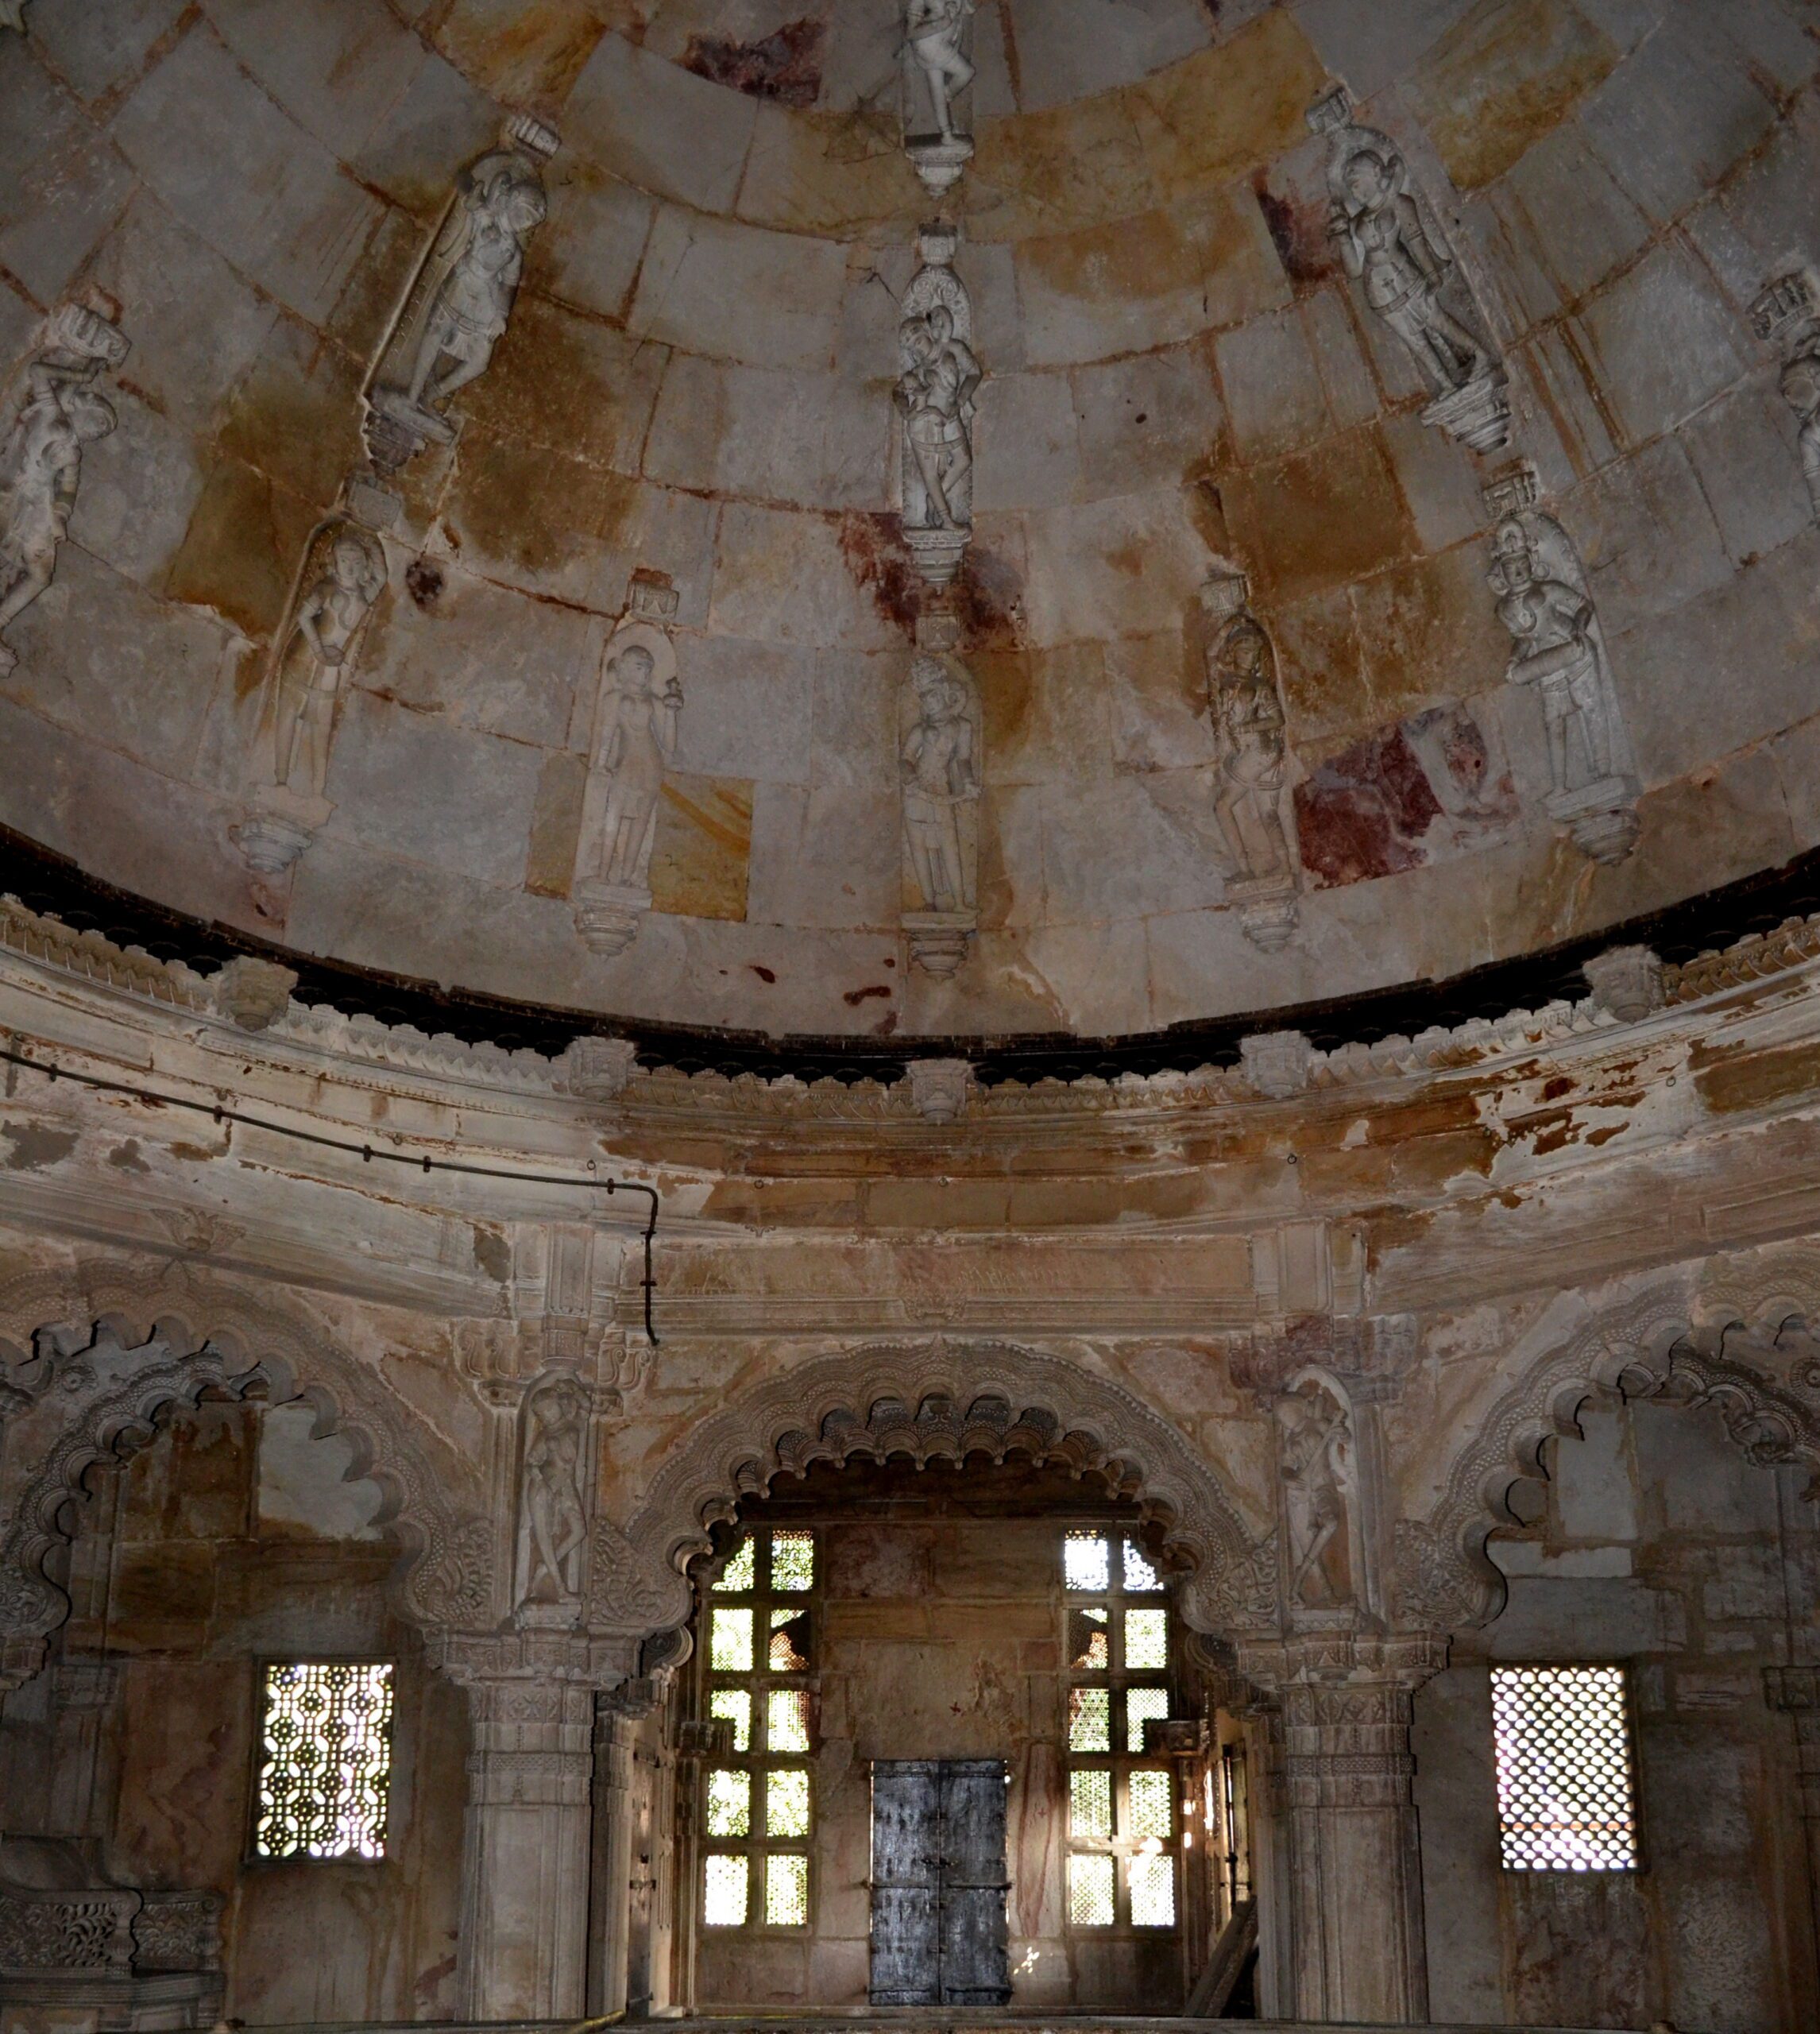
460	301
1252	802
554	1472
1559	652
1391	244
343	573
938	375
637	712
41	470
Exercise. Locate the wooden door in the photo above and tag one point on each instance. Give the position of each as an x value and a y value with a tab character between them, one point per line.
938	1882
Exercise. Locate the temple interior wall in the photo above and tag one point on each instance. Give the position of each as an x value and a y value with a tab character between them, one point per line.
1658	1546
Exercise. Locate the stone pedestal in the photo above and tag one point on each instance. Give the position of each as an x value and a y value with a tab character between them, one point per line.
1600	817
276	827
939	940
608	915
523	1952
1348	1886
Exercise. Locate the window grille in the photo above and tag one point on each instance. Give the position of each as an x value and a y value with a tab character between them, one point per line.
1123	1828
757	1812
1565	1797
325	1771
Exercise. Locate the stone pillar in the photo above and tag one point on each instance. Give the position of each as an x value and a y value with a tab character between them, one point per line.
610	1903
1796	1691
1355	1941
523	1949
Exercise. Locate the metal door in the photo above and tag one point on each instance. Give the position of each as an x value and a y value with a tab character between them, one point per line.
938	1882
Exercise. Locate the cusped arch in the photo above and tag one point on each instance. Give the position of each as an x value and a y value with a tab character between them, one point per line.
102	1388
955	1402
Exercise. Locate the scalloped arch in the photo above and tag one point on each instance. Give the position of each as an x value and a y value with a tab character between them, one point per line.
951	1402
431	1500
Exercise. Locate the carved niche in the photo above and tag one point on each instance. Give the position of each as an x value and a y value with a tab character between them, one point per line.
638	707
938	75
343	573
1787	315
1318	1466
938	375
939	763
1559	651
41	471
1252	803
553	1475
1390	242
460	300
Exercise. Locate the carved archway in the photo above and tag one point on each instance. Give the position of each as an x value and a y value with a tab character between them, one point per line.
954	1402
1758	1365
101	1388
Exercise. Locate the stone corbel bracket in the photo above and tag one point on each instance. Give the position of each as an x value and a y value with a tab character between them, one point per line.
1559	652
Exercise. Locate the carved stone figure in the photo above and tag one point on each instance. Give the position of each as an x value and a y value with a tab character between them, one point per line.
344	574
938	376
1390	243
12	15
552	1522
1251	805
461	299
637	713
40	470
1787	315
938	71
1320	1486
1559	650
938	763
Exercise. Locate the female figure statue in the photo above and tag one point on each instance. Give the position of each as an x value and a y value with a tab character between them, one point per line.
1248	727
635	737
317	656
1557	648
553	1525
939	778
501	204
935	392
935	30
39	476
1378	228
1318	1486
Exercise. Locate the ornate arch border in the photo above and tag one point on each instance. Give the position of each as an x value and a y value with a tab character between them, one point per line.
432	1500
948	1401
1682	1342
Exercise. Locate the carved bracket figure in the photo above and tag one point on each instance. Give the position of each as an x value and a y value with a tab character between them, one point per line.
637	711
938	374
460	300
938	76
1391	244
1559	648
1253	803
1318	1470
344	573
1787	315
939	765
41	468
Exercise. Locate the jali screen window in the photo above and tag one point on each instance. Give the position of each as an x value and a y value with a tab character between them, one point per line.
1123	1824
758	1809
325	1772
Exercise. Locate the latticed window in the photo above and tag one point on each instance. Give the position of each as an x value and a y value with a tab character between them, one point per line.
326	1769
1565	1797
1123	1826
757	1811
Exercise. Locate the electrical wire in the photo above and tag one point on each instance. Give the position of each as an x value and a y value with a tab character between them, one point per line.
221	1112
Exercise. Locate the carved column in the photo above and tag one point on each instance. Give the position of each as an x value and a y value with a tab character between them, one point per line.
523	1949
83	1688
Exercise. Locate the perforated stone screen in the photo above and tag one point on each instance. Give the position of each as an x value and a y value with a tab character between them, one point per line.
1566	1801
326	1770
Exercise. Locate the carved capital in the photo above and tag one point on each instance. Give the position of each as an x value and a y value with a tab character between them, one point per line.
1626	982
252	993
1277	1063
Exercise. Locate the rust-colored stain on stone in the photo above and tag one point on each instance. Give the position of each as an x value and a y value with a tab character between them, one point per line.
1298	230
556	824
238	553
874	553
785	65
1321	518
527	54
1502	77
1730	1081
699	864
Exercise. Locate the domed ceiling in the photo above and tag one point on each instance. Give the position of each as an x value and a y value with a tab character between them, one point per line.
1086	516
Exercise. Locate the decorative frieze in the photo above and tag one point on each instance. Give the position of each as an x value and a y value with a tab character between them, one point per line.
938	73
1558	651
1786	316
1391	243
343	573
1252	803
41	471
638	708
938	375
461	299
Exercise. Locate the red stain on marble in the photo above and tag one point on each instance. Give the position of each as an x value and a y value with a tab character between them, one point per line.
785	66
1298	230
874	554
